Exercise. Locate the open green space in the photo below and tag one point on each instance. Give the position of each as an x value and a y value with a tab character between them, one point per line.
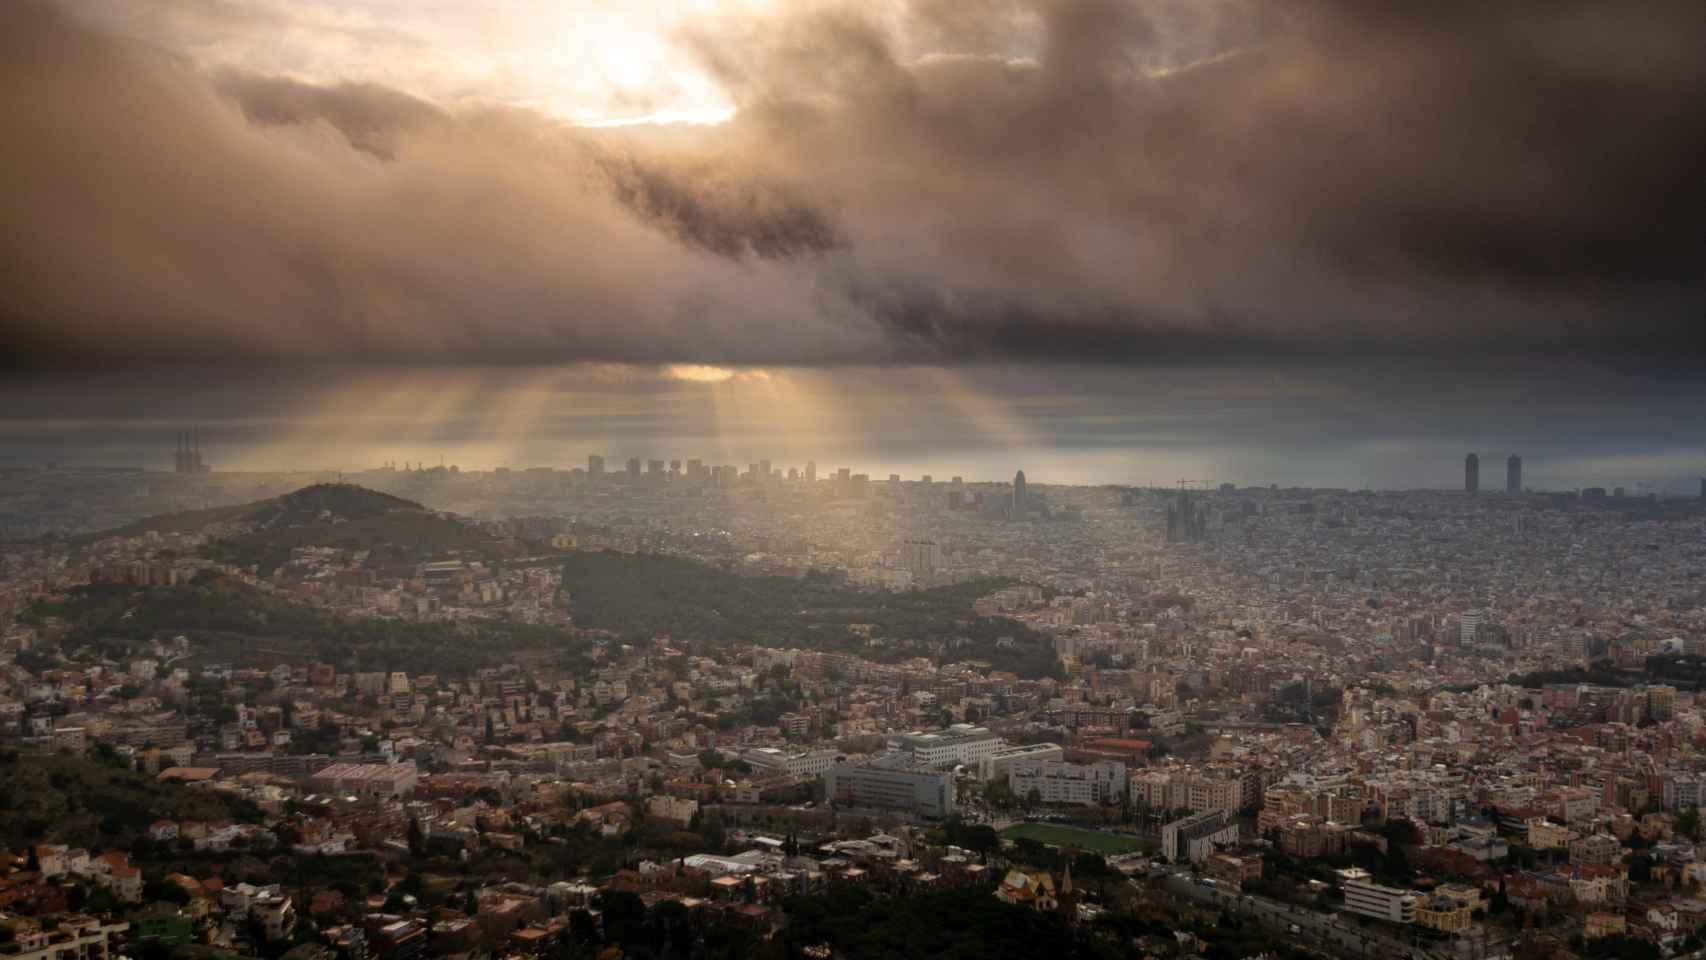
1057	836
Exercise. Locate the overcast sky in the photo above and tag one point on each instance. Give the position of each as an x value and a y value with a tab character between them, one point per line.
1309	241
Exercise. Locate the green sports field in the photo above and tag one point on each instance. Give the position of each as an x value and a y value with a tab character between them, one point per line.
1057	836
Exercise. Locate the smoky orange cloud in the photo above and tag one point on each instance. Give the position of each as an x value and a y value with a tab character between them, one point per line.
1053	180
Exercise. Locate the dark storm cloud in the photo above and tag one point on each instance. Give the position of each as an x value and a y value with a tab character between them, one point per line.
369	116
728	216
1064	179
1342	174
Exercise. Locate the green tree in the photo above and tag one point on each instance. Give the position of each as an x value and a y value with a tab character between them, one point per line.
981	838
712	832
624	917
671	928
1688	823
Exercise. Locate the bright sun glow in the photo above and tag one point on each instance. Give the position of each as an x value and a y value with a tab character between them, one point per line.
698	373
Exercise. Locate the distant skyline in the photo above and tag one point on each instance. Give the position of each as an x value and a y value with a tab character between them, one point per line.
1078	425
1073	470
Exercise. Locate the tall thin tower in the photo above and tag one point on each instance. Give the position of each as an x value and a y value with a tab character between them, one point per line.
1472	474
1019	500
1513	474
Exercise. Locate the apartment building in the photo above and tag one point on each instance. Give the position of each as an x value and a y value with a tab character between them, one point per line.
374	780
961	743
809	763
1546	835
1369	899
1443	913
1194	838
77	937
891	784
1599	849
995	766
1057	782
1223	787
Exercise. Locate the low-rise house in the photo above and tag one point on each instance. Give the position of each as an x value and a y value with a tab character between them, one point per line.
1029	889
1602	924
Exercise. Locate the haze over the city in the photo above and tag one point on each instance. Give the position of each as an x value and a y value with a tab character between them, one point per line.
852	480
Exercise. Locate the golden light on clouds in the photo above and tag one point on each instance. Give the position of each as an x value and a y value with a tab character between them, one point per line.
589	63
707	373
698	373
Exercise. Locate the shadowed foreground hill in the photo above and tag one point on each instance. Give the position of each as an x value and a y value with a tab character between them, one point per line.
59	797
231	621
327	502
645	595
343	500
395	532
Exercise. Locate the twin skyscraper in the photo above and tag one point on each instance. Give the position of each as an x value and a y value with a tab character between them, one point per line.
1472	474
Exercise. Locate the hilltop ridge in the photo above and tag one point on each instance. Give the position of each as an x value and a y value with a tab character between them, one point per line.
394	532
323	501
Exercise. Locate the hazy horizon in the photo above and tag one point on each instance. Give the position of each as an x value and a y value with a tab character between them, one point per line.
1314	242
1071	425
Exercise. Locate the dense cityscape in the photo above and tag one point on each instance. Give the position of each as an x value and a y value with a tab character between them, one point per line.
852	480
689	710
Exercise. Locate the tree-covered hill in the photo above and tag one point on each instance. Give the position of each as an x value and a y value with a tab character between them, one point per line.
59	798
323	501
646	595
229	620
395	542
965	924
395	532
346	501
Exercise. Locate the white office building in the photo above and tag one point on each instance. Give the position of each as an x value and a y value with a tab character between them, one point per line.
809	763
961	743
1082	784
1469	626
1193	838
889	783
1365	897
994	766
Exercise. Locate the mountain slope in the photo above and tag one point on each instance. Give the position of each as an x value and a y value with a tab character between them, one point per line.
646	595
395	532
327	502
75	800
229	621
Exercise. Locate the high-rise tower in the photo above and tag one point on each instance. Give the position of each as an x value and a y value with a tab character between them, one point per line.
922	558
1187	521
187	457
1513	474
1471	473
1019	500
